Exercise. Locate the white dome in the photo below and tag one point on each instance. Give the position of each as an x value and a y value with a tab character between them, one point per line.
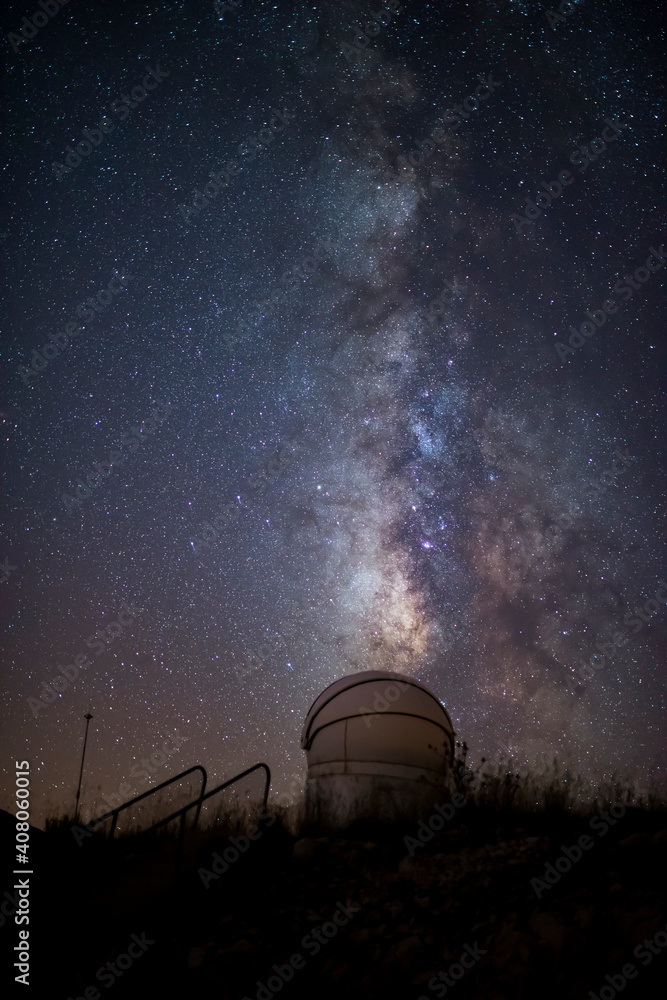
375	743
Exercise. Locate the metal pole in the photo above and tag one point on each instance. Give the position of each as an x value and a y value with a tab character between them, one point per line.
87	717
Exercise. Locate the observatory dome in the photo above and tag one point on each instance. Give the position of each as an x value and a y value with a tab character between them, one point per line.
378	745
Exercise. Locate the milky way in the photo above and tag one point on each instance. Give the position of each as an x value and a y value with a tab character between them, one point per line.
374	455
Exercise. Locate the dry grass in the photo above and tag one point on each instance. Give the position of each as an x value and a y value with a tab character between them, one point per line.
499	793
552	789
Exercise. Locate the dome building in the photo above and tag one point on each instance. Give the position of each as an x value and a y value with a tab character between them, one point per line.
379	745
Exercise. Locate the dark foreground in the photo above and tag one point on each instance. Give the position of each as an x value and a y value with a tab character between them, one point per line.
357	917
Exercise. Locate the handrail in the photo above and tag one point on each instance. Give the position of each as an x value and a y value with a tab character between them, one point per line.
197	802
208	795
151	791
184	809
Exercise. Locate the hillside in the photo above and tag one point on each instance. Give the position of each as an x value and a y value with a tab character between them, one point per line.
376	913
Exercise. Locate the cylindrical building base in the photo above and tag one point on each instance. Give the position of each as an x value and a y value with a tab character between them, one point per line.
334	802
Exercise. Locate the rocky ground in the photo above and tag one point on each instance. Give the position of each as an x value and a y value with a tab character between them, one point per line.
465	906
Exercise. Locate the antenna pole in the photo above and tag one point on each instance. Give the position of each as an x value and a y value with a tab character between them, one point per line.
87	717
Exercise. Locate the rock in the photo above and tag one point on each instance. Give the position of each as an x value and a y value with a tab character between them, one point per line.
394	908
660	838
418	872
511	954
422	978
406	865
637	840
242	947
304	849
584	916
196	956
361	937
352	858
407	951
339	972
551	927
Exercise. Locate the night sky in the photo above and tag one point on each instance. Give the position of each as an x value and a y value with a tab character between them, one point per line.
390	457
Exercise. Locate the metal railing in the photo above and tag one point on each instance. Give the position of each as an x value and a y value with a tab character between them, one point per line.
152	791
202	798
182	812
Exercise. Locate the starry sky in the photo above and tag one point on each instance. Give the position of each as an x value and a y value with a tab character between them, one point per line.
338	432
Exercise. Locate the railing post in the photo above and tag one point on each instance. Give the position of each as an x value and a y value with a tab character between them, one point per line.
182	813
266	786
201	799
179	849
